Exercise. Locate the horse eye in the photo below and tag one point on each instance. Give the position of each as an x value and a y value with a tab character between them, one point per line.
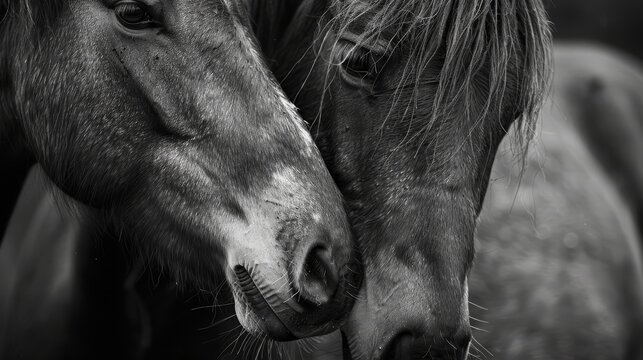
133	15
358	62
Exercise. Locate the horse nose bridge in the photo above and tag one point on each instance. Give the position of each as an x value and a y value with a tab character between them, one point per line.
434	315
311	193
449	312
408	329
246	103
424	313
433	327
257	99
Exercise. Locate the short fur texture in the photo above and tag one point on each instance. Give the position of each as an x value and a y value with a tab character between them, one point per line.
178	136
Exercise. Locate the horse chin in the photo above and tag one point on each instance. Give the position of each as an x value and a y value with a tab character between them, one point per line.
262	309
351	350
402	348
253	310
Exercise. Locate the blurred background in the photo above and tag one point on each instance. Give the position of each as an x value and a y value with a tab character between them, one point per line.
616	23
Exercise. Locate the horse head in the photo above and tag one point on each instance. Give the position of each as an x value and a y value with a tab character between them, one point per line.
162	115
408	101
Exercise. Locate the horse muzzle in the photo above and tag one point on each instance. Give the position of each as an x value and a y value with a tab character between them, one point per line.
409	321
408	346
308	291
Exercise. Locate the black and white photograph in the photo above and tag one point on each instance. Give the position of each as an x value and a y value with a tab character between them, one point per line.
321	179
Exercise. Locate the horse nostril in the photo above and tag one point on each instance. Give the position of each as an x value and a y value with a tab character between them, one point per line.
400	348
318	279
406	346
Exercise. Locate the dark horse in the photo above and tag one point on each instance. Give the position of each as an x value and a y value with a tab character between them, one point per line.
558	272
415	99
161	117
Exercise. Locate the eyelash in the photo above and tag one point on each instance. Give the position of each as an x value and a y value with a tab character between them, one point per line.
134	8
359	62
360	65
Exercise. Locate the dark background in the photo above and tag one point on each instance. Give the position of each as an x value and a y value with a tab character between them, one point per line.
617	23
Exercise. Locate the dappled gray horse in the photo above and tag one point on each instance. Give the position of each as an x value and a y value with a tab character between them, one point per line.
161	117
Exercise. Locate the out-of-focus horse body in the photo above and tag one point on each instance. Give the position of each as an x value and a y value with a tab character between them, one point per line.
615	23
601	92
558	267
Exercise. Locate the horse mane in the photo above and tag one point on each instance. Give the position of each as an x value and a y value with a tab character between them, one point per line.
29	12
498	45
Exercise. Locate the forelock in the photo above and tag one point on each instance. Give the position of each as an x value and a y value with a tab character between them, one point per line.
38	13
506	42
